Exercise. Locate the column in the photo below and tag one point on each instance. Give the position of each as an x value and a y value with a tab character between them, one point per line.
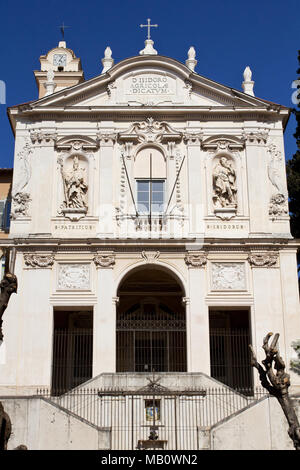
197	315
104	347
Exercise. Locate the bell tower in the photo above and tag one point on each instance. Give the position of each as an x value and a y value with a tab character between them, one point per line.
62	65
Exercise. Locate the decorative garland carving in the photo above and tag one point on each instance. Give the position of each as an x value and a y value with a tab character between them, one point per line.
263	260
38	261
104	261
196	260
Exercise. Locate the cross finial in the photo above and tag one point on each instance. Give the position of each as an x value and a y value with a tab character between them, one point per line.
62	29
149	26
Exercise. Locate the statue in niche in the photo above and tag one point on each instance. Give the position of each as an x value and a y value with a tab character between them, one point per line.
224	184
75	187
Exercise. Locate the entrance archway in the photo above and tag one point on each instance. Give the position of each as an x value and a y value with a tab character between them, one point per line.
151	322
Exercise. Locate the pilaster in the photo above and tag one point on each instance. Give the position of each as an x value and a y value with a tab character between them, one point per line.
257	174
106	187
197	316
195	183
104	356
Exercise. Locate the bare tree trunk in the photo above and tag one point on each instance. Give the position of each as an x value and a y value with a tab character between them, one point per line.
277	383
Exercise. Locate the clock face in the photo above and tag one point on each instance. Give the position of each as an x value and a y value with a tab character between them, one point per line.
60	60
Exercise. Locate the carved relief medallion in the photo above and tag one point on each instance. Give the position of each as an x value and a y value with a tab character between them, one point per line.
73	276
228	276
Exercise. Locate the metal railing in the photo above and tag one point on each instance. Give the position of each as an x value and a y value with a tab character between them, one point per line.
72	358
230	357
179	416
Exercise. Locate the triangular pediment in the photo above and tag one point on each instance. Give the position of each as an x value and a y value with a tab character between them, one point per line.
149	81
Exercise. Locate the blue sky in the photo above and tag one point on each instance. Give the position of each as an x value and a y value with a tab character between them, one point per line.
227	36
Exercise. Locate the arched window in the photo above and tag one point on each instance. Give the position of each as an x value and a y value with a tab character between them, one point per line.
150	178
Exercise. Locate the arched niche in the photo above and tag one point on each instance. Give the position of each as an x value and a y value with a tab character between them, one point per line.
150	321
222	152
75	175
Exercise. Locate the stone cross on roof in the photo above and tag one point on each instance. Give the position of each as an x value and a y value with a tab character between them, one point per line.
62	29
149	26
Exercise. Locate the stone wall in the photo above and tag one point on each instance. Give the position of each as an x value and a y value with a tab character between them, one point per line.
41	425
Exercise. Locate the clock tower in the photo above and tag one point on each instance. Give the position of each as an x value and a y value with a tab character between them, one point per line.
65	66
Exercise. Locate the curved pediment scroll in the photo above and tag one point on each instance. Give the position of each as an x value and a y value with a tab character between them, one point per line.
77	143
223	143
150	130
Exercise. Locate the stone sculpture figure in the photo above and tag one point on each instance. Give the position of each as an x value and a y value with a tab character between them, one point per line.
224	187
75	187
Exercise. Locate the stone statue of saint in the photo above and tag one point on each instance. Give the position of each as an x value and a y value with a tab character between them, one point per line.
75	187
224	178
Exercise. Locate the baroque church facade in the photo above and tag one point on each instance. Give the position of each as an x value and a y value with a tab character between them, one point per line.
151	229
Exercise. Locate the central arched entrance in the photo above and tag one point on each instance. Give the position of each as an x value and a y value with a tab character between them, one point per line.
151	323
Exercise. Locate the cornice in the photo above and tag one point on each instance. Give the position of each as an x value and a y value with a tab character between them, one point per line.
136	245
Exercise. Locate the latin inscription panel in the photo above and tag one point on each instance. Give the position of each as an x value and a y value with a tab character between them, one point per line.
150	86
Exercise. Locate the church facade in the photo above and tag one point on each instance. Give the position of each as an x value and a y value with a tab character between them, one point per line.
151	228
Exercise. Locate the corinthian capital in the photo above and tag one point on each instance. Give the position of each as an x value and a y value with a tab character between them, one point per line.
107	139
193	138
256	138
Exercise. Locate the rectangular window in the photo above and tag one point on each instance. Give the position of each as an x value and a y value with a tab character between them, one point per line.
151	193
5	206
